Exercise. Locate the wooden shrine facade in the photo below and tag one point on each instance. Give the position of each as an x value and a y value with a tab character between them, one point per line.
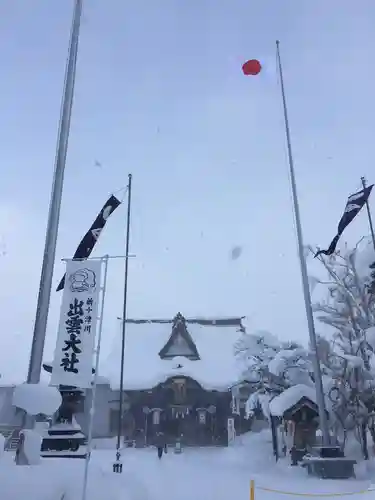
181	409
178	405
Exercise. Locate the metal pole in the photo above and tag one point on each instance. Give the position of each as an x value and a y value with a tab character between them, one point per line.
45	285
305	281
93	394
369	215
146	428
124	318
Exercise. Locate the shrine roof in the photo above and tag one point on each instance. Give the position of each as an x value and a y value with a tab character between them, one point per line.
290	397
214	338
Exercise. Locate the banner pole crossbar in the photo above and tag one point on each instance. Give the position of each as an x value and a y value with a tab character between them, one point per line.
68	259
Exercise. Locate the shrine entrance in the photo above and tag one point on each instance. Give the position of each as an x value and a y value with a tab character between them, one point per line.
178	422
182	417
183	411
193	426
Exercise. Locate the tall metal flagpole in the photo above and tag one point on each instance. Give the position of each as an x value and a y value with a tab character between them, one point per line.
45	285
95	382
363	180
118	454
305	281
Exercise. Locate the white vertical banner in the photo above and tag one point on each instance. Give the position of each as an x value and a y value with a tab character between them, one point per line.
73	360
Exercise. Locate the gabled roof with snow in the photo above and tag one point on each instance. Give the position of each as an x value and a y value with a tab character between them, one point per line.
180	342
215	369
290	397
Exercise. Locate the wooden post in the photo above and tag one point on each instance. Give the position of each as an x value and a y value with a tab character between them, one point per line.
275	443
252	490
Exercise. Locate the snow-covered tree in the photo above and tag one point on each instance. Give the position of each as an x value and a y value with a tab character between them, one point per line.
371	279
270	366
349	309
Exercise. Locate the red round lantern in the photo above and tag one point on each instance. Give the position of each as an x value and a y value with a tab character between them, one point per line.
251	67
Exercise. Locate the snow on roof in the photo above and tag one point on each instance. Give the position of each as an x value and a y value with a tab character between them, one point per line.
217	368
280	404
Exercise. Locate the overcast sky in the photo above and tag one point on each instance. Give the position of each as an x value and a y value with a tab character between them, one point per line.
160	93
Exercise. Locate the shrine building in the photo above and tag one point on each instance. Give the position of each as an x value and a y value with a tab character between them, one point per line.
177	379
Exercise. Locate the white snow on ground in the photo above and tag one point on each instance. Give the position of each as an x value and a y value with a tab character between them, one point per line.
196	474
61	479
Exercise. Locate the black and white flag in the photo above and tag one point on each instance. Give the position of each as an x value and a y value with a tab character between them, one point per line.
353	207
88	242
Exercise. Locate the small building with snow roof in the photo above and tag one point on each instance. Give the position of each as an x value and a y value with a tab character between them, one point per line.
297	410
177	379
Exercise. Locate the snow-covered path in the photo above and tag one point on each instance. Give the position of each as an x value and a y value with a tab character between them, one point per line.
213	475
196	474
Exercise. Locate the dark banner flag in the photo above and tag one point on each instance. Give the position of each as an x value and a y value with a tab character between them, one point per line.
353	207
88	242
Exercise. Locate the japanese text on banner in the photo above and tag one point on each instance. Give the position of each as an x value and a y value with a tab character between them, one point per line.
73	358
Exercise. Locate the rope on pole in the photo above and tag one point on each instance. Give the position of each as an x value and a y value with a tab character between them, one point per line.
297	494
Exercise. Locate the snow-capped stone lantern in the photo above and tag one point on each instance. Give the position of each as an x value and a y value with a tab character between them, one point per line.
65	435
34	399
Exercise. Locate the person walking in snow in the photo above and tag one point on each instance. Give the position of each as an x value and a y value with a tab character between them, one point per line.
160	444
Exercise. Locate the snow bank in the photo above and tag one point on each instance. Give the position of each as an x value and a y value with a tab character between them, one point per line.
32	446
62	479
31	483
290	397
253	451
37	398
252	456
